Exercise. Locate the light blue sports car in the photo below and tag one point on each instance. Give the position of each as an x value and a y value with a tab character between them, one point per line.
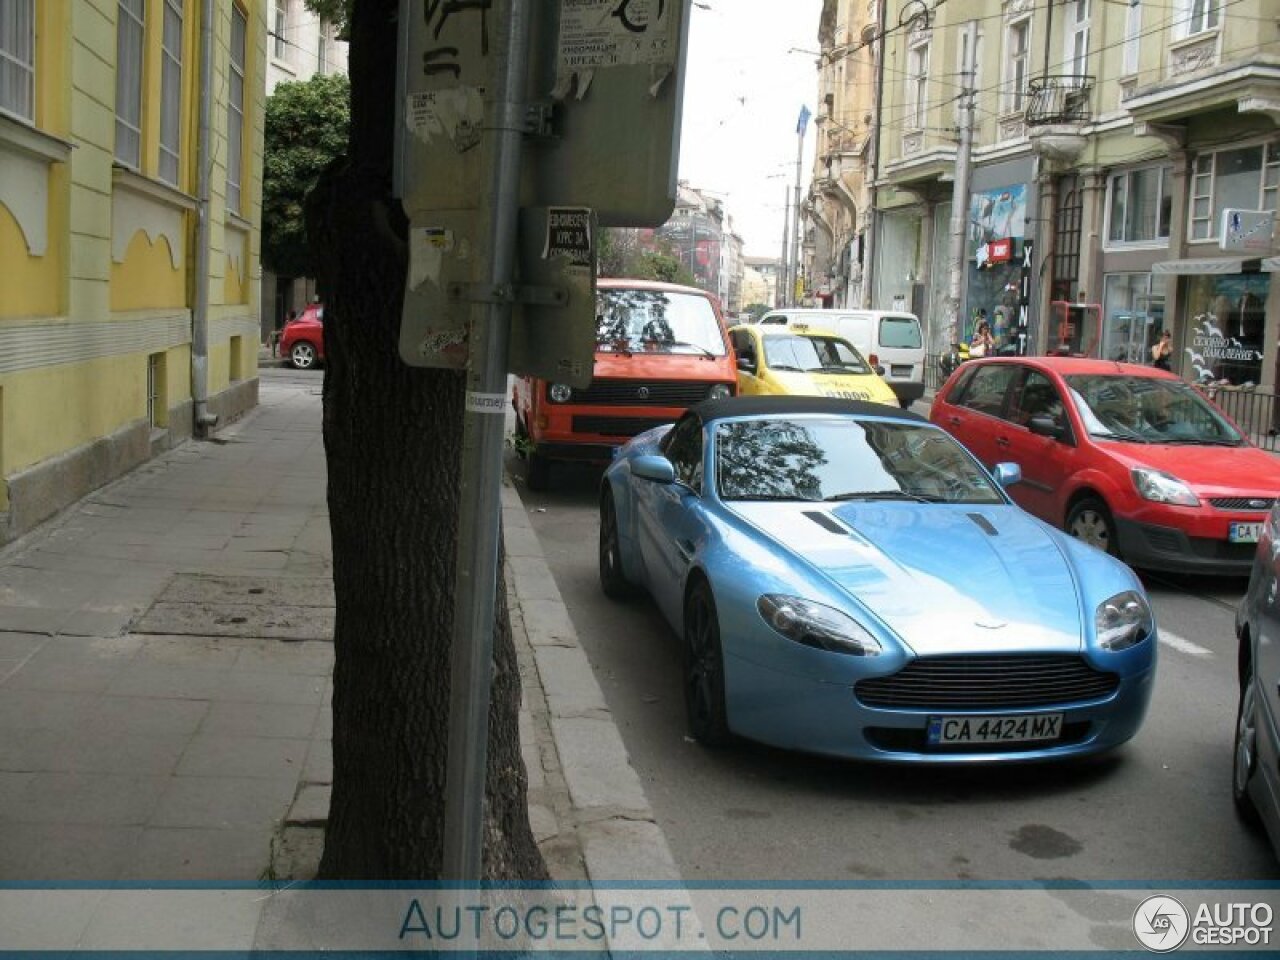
848	580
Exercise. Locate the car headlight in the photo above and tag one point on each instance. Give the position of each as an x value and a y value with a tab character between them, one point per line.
719	391
559	392
816	625
1161	487
1123	621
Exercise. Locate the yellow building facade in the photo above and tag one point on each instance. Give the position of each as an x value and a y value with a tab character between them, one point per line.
130	197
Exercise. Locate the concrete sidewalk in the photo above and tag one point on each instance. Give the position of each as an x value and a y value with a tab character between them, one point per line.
165	663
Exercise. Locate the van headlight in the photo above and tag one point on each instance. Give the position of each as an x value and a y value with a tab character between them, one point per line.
1123	621
817	625
719	391
559	393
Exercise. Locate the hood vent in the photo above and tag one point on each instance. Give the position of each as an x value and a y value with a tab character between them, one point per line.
827	522
985	524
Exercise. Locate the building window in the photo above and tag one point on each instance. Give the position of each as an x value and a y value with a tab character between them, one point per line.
1066	241
1133	308
1017	47
322	50
917	84
235	108
130	35
281	47
171	92
1077	52
1194	16
1140	205
18	58
1246	178
1132	37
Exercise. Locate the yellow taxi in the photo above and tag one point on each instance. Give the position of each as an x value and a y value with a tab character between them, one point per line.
804	361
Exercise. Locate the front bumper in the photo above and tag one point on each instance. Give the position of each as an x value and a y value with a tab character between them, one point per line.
812	716
907	391
1153	546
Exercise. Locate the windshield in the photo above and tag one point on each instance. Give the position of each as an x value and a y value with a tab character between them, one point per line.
845	459
813	355
655	321
1148	410
900	333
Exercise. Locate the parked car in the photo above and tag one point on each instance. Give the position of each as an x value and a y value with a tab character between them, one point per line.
1130	459
848	580
660	348
302	339
1255	781
804	362
885	337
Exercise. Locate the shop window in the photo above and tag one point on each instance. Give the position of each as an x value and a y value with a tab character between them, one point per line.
18	58
1225	323
1245	178
130	40
1140	205
1133	316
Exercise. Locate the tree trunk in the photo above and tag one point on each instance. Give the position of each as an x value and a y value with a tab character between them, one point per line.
392	437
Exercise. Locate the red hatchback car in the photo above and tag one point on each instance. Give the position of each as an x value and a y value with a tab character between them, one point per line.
302	339
1128	458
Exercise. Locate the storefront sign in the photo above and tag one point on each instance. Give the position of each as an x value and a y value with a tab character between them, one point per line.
1247	230
1024	299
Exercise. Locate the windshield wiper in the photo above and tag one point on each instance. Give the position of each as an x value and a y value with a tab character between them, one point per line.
686	343
1200	442
770	496
878	495
829	369
1126	437
785	366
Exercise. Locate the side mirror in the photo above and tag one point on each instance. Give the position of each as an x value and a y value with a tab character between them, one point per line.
1007	474
747	364
654	467
1045	426
879	369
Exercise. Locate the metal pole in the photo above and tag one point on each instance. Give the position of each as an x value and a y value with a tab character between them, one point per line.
960	189
482	441
204	419
781	298
795	230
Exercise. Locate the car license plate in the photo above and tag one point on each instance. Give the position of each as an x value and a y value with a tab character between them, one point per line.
1015	729
1245	532
900	369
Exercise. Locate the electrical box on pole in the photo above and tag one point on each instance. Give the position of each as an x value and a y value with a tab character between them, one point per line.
602	119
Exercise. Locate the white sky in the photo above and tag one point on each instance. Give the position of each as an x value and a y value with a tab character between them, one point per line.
742	98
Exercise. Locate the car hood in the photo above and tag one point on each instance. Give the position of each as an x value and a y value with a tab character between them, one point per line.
1214	471
849	386
664	366
946	578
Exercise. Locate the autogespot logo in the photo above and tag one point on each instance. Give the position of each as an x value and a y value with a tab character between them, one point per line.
1161	924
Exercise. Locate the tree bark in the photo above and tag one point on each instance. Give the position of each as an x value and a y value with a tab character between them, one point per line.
392	436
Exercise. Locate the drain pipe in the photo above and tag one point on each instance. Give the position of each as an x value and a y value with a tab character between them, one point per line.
204	420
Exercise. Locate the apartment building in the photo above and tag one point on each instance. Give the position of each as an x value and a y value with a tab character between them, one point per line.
129	236
1109	140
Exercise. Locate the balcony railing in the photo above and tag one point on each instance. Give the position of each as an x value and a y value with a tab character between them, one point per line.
1063	98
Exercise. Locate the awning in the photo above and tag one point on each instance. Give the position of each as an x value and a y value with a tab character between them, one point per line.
1202	266
1271	265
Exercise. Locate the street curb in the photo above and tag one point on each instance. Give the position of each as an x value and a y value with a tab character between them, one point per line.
616	831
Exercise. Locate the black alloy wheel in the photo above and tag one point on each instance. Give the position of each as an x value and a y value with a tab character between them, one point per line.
704	669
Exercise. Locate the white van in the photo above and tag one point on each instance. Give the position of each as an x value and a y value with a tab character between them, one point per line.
889	338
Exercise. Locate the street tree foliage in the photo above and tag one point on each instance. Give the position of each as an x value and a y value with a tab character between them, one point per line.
337	12
757	310
306	130
621	253
393	436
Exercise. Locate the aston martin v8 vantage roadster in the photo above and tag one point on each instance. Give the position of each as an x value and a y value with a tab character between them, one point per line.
848	580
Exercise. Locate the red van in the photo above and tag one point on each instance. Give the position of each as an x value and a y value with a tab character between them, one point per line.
660	348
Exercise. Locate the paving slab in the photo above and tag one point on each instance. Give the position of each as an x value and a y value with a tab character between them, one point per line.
216	755
312	805
238	620
86	853
199	853
224	802
90	798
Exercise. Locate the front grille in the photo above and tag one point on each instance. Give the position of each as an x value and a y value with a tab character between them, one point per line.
616	426
641	393
1242	503
914	740
989	682
1161	538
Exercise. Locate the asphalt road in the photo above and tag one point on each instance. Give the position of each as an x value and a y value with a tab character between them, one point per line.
1158	809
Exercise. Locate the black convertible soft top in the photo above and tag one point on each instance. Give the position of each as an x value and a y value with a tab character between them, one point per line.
783	406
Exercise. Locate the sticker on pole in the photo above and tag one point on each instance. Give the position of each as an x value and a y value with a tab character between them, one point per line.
569	235
486	402
597	34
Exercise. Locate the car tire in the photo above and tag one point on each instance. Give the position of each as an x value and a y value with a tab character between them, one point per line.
538	475
704	698
302	355
612	580
1090	520
1244	764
